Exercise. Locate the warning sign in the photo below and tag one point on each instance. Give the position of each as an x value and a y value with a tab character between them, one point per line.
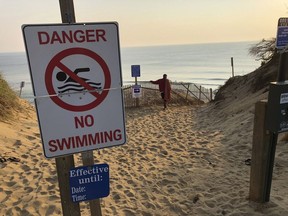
76	77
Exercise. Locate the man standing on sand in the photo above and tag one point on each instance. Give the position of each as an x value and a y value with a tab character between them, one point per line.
164	88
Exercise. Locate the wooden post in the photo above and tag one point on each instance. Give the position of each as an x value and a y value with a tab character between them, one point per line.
22	84
200	92
67	11
211	96
232	65
68	16
95	207
64	164
260	182
187	92
137	99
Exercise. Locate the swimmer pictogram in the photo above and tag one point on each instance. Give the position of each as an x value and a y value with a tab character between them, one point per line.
69	84
61	79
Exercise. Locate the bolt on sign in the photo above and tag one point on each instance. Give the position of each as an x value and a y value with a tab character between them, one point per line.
77	83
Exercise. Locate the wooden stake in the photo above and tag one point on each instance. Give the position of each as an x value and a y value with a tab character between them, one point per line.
137	99
232	65
261	152
64	164
68	16
95	207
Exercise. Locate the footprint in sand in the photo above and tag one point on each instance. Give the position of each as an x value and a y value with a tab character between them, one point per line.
18	143
28	189
25	168
31	137
52	210
11	183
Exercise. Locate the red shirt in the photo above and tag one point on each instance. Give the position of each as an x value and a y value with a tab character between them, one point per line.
164	86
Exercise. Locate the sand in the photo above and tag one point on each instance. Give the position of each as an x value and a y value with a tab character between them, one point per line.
186	160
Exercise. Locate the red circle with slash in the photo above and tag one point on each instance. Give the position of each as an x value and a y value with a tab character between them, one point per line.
56	62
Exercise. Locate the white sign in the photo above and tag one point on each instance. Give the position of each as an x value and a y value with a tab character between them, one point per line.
76	77
284	98
136	91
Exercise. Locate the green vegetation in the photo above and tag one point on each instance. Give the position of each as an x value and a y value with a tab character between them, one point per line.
9	101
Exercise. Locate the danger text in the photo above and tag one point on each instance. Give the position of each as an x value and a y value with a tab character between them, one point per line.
78	36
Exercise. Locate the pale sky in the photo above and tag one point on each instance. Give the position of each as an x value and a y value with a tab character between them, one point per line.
152	22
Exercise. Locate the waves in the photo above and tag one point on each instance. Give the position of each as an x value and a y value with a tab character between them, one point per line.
77	87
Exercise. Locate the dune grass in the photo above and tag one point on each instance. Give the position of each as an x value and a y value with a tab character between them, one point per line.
9	100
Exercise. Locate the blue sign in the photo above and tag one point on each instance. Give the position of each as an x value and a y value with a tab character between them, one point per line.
135	69
282	33
90	182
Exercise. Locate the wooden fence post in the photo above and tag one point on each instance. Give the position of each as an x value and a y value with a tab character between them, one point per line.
211	96
232	65
260	182
200	92
187	91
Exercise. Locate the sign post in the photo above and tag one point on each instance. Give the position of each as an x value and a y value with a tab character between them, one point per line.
232	65
64	164
22	84
135	72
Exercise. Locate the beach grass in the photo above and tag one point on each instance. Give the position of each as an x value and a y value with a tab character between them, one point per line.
9	100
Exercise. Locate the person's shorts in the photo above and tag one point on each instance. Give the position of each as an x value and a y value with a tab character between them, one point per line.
162	95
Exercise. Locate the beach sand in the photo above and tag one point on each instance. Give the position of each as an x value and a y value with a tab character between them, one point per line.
186	160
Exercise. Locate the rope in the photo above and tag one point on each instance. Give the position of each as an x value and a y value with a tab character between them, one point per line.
72	93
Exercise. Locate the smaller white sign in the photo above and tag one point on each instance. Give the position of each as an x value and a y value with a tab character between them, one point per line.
284	98
136	91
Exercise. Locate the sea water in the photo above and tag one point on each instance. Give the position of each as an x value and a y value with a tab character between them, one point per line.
208	65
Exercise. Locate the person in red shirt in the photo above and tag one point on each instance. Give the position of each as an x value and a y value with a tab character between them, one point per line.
164	88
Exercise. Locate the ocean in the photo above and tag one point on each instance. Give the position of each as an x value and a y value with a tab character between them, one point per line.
208	65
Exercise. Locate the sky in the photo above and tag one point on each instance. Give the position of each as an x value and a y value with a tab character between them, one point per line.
152	22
